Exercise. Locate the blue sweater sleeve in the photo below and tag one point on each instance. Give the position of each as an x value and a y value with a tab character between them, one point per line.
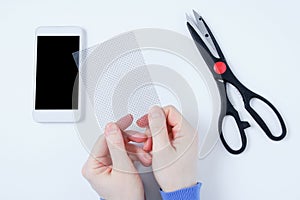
191	193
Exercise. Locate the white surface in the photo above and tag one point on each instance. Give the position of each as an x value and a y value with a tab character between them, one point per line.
260	39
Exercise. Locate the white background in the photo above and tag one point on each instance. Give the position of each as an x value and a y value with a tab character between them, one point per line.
261	40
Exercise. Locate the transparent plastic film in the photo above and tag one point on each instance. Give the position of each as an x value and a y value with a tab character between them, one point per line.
132	72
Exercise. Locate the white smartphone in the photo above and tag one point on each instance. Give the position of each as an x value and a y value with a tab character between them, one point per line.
57	86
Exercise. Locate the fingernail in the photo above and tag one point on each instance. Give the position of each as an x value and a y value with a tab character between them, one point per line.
112	128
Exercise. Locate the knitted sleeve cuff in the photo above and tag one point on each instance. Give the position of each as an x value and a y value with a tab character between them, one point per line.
190	193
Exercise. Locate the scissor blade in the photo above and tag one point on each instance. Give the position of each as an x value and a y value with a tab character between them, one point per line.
197	16
197	23
192	22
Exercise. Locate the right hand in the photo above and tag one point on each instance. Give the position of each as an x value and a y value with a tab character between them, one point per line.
110	169
174	148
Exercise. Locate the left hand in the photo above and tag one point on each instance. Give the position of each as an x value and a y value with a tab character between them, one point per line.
110	170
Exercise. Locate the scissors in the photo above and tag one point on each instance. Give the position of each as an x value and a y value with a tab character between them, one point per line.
217	64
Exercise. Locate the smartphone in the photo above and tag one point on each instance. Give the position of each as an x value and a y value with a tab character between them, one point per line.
57	86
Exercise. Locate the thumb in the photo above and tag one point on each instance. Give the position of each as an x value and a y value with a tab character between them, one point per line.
158	128
116	146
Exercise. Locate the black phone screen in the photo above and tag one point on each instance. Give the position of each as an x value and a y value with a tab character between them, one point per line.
56	73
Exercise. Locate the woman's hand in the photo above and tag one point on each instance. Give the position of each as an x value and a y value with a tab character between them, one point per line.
110	169
174	148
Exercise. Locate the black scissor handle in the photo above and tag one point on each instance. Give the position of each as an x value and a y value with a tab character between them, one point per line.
251	95
242	125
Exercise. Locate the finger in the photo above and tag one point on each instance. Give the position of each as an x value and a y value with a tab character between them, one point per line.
135	136
143	121
158	128
116	146
125	122
100	148
179	127
138	137
148	145
134	158
98	158
139	154
174	117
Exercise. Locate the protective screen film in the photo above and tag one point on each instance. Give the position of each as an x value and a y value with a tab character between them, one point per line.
134	71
